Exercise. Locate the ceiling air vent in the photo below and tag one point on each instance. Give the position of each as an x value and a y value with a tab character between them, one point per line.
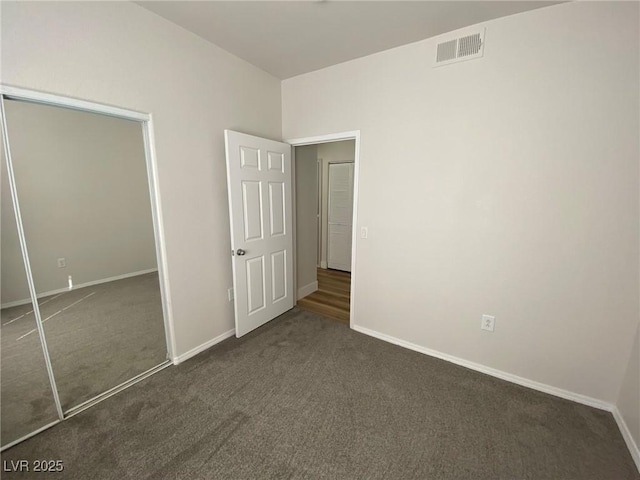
460	49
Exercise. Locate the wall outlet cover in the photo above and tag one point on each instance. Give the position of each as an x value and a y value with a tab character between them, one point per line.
488	323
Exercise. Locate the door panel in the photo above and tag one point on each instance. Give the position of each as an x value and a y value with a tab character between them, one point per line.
252	210
279	275
276	208
340	216
276	161
255	284
340	247
249	158
260	206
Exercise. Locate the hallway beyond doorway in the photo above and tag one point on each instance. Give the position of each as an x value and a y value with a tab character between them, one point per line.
333	297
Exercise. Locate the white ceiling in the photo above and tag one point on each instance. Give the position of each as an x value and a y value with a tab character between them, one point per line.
288	38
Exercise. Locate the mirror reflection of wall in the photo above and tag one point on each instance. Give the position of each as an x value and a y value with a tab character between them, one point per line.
82	186
26	397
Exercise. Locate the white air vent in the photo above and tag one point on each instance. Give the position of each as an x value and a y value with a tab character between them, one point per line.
460	49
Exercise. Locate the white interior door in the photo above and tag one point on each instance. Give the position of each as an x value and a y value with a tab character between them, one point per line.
260	208
340	216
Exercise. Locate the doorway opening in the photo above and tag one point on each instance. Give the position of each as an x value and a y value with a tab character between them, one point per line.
262	211
324	183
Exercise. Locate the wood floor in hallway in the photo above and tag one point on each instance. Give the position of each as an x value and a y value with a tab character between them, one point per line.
333	297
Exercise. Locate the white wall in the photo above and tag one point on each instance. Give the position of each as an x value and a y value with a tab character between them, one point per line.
629	398
12	265
332	152
84	196
306	185
506	185
119	53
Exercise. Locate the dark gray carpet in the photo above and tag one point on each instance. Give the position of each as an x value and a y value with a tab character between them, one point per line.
306	397
97	343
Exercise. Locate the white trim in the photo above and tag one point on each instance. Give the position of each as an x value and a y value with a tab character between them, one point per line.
201	348
320	230
158	227
69	102
29	435
626	434
331	137
634	450
354	227
323	265
334	137
117	389
81	285
234	280
307	289
541	387
294	224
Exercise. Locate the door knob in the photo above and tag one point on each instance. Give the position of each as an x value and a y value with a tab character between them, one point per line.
240	252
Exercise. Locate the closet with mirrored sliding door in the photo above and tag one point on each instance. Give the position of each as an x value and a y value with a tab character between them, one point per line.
83	289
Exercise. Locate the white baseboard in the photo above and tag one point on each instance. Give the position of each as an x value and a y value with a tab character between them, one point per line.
558	392
24	301
203	347
307	289
541	387
626	434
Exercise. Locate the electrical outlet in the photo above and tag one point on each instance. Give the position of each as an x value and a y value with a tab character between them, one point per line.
364	232
488	323
62	263
230	294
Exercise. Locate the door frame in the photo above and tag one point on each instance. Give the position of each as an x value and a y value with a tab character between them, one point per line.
329	138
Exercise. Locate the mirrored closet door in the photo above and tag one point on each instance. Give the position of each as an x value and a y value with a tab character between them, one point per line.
82	186
26	396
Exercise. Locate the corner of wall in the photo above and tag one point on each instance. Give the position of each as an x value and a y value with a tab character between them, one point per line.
627	409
